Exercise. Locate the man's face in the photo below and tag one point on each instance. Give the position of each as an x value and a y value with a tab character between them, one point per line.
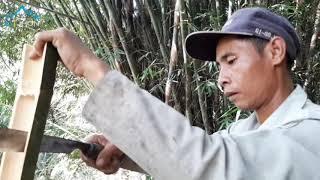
245	75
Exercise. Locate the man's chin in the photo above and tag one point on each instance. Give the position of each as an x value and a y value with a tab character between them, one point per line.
243	107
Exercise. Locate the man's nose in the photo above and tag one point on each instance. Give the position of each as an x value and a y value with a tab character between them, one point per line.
223	78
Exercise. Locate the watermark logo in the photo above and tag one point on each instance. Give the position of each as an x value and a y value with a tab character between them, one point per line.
9	18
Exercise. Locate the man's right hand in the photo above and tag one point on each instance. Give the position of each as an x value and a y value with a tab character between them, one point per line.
109	159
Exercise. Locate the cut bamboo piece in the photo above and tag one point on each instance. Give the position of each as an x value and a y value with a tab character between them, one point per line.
33	96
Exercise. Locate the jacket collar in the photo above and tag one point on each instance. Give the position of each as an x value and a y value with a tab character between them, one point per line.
289	110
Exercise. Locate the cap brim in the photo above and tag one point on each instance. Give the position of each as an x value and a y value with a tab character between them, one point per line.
202	44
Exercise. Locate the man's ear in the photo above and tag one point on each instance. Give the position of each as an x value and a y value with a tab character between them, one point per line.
278	50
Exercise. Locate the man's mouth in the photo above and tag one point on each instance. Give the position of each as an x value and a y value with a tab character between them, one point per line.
230	94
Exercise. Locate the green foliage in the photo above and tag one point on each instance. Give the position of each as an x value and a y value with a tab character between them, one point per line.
208	87
227	118
7	92
5	115
149	178
7	95
151	72
20	31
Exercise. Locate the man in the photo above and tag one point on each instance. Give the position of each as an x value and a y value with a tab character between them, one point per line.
254	50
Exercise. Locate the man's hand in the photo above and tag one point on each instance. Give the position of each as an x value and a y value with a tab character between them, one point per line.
79	59
109	159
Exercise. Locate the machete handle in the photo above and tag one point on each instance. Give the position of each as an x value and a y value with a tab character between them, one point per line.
92	150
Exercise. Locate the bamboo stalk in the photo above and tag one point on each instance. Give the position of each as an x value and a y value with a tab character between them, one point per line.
146	32
218	12
98	18
186	62
90	19
101	38
89	35
54	15
47	9
173	54
157	31
69	19
201	99
130	60
312	46
104	10
164	20
230	7
115	46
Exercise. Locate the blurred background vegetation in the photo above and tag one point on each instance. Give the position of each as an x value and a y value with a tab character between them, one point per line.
144	40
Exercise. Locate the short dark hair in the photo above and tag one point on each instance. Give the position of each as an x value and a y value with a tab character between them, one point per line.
260	44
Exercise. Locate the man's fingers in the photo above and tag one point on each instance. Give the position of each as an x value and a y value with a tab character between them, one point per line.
102	140
91	138
40	40
107	155
96	139
114	166
104	157
108	160
88	161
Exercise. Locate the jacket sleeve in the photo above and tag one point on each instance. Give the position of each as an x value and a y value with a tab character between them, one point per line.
164	144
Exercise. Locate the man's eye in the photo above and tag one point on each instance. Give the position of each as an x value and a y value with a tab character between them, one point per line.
231	61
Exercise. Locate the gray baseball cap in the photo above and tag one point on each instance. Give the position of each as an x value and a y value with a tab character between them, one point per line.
253	22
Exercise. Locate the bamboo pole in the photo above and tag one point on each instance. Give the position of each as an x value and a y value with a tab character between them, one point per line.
31	107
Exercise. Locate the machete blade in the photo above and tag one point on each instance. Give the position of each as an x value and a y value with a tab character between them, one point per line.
51	144
15	140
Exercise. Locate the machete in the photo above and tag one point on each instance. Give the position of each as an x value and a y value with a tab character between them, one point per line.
14	140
